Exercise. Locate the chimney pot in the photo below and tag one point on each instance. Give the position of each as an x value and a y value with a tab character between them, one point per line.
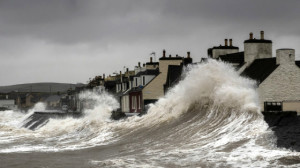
164	53
170	55
127	69
230	42
226	42
189	54
139	64
150	59
103	76
262	35
251	36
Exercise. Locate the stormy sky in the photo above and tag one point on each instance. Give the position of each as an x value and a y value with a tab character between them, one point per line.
71	41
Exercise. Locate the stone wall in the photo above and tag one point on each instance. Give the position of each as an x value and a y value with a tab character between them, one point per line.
282	84
257	50
217	52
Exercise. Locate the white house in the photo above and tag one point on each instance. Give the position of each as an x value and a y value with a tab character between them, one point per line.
277	77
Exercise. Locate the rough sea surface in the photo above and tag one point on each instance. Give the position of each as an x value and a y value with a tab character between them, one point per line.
210	119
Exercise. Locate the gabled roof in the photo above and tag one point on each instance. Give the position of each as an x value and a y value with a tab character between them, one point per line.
237	58
260	69
297	63
148	72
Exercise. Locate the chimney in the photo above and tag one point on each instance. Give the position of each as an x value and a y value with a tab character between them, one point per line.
251	36
170	56
127	70
150	59
121	76
189	54
230	42
139	64
226	42
262	35
143	65
176	55
103	76
164	53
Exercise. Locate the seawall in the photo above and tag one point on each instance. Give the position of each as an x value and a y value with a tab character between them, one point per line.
286	127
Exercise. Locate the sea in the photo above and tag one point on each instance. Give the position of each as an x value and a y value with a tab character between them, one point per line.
211	118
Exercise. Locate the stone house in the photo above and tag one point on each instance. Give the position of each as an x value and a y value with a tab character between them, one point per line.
277	77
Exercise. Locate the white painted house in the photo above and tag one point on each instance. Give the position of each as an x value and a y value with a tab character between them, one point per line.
278	78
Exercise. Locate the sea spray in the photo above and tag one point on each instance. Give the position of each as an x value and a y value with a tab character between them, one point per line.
67	133
210	119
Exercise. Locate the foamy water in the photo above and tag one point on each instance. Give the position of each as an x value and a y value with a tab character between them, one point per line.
210	119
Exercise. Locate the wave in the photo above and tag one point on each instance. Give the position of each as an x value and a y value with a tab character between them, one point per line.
209	119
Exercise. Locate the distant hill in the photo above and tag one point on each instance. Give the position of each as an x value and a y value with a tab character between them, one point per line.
39	87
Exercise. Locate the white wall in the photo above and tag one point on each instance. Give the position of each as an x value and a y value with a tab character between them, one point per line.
257	50
148	78
125	103
217	52
137	81
282	85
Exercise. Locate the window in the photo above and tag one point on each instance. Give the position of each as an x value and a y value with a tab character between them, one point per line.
144	83
136	84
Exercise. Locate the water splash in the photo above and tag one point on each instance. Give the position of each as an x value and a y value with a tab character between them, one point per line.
210	119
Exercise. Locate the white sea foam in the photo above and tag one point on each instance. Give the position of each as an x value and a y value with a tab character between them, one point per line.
209	119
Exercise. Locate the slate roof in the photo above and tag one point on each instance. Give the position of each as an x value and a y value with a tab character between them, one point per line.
152	63
171	58
237	58
297	63
148	72
257	41
225	47
260	69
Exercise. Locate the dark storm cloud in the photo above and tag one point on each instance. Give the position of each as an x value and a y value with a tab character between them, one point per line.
67	33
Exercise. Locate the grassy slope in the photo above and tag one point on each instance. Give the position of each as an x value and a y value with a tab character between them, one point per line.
38	87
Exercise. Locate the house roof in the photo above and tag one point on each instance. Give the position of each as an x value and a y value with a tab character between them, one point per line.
237	58
152	63
225	47
148	72
257	41
297	63
260	69
171	58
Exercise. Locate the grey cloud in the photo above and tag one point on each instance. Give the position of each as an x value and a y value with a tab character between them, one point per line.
114	33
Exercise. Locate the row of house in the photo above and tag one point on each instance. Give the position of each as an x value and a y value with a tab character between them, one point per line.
145	84
277	76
